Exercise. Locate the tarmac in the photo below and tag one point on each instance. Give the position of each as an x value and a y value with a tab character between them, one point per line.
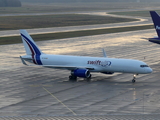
44	93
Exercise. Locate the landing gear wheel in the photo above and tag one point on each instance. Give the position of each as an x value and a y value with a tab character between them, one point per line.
134	77
89	78
133	81
72	78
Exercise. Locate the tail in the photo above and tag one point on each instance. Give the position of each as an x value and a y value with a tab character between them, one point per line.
29	44
156	21
31	47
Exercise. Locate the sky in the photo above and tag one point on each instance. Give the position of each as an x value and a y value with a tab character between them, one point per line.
45	1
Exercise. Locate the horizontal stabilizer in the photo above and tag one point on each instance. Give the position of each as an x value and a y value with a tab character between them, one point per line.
154	40
23	61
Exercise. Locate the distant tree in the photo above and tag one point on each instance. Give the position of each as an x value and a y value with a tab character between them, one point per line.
10	3
2	3
13	3
66	1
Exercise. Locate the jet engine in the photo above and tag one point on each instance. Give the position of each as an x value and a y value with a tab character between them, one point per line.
84	73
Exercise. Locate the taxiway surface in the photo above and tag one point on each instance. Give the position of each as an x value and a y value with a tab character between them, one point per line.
44	91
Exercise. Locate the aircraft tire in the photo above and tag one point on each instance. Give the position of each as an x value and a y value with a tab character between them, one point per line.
89	78
72	78
133	81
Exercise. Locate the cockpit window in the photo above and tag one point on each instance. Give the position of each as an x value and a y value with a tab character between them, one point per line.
144	66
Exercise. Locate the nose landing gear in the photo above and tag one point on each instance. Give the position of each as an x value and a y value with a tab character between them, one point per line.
134	78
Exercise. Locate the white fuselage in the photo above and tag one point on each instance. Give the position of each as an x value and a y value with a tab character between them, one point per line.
100	64
80	66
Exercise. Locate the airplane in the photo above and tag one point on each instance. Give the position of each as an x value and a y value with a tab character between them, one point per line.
156	21
80	66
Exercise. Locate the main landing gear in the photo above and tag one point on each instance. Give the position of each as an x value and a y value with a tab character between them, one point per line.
134	78
74	78
88	79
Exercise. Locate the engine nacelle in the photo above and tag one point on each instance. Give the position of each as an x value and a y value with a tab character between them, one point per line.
84	73
108	73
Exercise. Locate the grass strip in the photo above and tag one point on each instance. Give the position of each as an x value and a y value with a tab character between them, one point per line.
61	35
59	20
134	13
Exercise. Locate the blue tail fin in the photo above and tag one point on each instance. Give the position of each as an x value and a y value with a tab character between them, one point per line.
156	21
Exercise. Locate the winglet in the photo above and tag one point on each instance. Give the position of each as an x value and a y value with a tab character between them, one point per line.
23	61
104	53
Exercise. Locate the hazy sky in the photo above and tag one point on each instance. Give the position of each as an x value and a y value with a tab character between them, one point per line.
88	1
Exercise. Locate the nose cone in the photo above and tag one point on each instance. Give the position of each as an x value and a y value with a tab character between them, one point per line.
149	70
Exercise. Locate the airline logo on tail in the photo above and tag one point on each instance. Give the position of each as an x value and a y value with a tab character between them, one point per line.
34	50
157	27
156	21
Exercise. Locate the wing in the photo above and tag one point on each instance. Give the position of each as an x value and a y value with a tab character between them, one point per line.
59	66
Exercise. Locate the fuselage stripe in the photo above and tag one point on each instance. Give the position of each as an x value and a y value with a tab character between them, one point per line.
33	53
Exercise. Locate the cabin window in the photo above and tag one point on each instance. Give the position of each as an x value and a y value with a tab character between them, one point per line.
144	66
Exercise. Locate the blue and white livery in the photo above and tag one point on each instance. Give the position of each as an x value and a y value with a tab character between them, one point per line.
80	66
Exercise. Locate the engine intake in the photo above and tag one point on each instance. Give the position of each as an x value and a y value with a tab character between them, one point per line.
84	73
